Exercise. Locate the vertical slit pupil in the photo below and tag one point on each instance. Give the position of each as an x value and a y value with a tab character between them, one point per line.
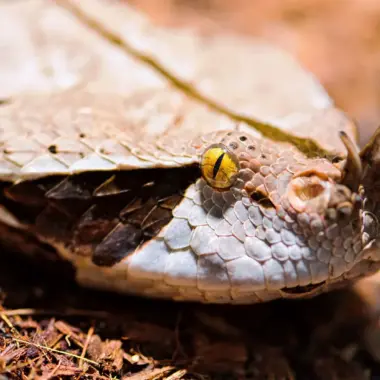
217	165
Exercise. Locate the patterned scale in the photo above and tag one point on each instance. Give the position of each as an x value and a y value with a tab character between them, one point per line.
285	228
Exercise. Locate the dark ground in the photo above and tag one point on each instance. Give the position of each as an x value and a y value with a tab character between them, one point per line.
73	332
77	333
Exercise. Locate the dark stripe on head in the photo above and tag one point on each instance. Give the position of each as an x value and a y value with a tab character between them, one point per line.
217	165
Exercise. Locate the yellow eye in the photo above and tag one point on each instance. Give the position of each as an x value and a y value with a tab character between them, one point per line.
219	167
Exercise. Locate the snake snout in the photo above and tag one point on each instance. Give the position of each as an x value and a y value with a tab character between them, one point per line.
342	203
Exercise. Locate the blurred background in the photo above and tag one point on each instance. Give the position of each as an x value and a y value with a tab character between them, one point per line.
338	40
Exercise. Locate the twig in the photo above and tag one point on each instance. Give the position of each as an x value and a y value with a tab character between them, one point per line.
86	343
177	375
57	351
67	312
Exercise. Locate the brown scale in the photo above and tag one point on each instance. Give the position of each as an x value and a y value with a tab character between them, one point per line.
268	169
103	215
261	166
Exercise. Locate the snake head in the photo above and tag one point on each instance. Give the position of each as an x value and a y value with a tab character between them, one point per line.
298	219
282	177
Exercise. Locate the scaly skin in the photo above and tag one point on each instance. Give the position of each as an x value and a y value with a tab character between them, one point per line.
289	226
307	233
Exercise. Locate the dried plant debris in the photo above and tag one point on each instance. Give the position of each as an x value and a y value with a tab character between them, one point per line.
69	332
